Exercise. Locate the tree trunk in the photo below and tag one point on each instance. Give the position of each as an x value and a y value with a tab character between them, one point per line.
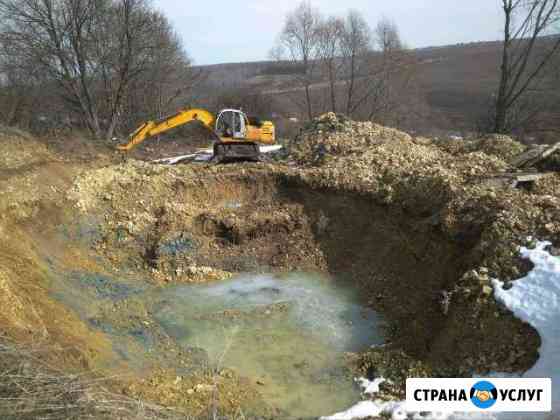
332	83
501	100
351	87
111	128
16	102
308	101
500	126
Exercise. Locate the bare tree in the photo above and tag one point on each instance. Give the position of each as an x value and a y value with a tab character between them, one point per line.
355	52
363	70
168	79
330	39
394	67
15	89
130	30
54	35
94	50
526	21
252	102
298	44
388	38
378	66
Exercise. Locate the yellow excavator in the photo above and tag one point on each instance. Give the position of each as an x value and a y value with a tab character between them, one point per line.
237	137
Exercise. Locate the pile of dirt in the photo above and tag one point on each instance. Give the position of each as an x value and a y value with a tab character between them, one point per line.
427	181
20	150
501	146
336	135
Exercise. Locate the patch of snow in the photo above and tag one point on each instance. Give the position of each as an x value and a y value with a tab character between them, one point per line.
174	160
396	410
203	157
270	149
362	410
368	408
370	387
534	299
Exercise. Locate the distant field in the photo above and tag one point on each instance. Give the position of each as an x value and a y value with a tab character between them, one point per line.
454	87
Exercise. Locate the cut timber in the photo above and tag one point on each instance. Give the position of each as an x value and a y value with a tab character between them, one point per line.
514	179
534	155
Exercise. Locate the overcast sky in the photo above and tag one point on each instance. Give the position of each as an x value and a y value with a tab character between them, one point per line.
222	31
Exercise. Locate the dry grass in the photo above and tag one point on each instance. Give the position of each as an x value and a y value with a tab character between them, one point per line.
30	389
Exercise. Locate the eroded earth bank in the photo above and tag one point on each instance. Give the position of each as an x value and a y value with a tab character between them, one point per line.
414	226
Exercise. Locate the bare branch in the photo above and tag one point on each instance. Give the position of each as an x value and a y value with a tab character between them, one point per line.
522	69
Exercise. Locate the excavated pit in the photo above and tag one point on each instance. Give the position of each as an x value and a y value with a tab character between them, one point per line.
93	249
208	226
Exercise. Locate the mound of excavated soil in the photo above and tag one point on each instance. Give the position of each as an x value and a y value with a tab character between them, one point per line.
20	150
439	182
501	146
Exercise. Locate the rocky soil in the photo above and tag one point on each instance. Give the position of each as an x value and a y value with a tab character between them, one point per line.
409	221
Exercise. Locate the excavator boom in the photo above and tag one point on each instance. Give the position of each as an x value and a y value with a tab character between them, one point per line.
153	128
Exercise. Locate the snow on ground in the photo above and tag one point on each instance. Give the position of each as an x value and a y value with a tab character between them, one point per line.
370	387
534	299
368	408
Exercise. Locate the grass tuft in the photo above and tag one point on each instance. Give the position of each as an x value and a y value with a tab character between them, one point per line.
31	389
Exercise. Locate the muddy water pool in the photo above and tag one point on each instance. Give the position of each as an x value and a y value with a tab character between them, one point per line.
288	333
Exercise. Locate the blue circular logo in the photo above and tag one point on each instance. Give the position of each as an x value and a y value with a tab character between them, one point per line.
484	394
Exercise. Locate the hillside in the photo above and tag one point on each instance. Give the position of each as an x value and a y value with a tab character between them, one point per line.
451	93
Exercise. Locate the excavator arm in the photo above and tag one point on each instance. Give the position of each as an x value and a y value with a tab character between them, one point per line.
153	128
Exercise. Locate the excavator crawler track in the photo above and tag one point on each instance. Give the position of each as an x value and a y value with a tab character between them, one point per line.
242	151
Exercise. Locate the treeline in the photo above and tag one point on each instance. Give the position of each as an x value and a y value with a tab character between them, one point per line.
99	64
368	73
107	65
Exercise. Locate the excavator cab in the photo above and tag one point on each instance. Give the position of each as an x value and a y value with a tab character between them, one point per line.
232	127
231	123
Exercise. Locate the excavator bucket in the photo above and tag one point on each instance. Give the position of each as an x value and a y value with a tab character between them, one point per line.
241	151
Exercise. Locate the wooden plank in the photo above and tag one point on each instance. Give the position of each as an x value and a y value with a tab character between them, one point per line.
513	179
534	155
